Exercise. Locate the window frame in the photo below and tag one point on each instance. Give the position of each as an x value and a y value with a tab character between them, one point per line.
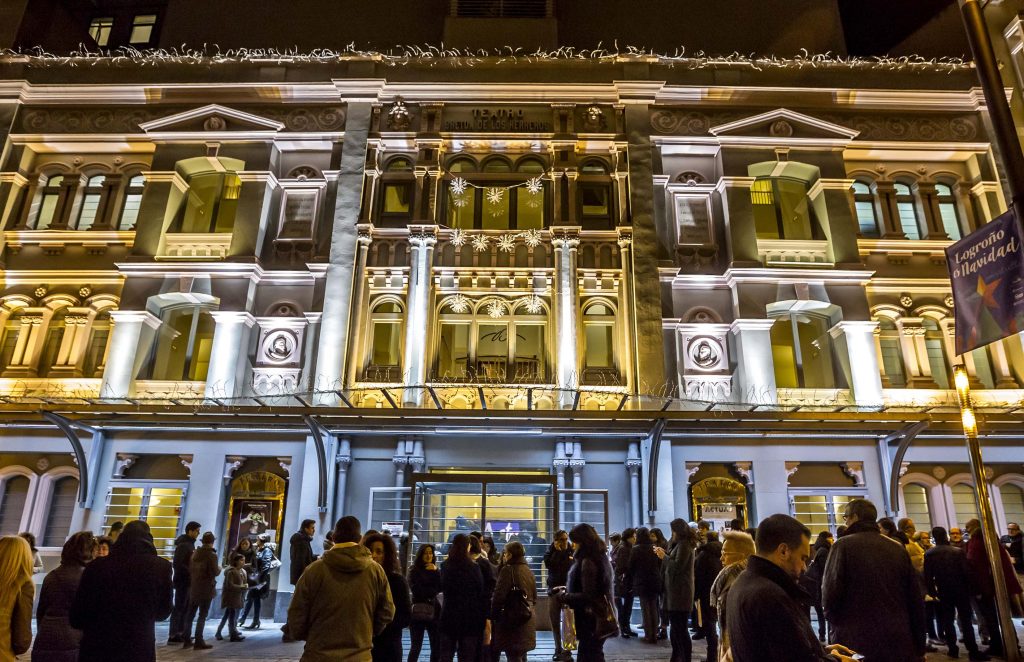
147	486
599	375
829	493
55	191
90	190
131	189
592	181
139	22
483	180
774	197
948	201
96	30
838	377
901	200
869	198
384	373
197	310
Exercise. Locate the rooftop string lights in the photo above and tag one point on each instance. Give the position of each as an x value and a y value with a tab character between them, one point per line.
442	55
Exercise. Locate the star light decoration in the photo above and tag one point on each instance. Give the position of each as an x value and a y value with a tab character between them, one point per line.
459	237
532	238
459	186
496	309
534	304
495	195
459	304
534	185
507	243
481	242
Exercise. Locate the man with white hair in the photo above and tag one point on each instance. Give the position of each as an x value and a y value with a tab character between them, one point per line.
737	548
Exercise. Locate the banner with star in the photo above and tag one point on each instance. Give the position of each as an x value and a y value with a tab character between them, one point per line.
986	270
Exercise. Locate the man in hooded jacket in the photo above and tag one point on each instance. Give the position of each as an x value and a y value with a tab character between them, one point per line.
120	599
341	601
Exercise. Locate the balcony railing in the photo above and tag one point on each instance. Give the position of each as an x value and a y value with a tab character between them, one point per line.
793	252
195	246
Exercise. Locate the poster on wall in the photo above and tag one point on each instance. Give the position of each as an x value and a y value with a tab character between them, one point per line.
251	518
986	271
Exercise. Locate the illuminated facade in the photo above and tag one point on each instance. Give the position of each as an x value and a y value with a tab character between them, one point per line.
529	293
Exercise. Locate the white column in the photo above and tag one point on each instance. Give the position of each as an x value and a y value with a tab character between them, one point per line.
755	366
633	465
342	461
230	342
560	463
565	241
858	337
414	366
123	350
400	460
627	316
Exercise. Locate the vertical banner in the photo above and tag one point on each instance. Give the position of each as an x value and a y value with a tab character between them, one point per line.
987	274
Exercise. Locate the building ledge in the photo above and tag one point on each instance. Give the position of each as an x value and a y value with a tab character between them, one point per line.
55	241
195	246
791	252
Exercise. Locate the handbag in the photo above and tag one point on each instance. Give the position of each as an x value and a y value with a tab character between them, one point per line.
517	609
607	625
423	612
569	641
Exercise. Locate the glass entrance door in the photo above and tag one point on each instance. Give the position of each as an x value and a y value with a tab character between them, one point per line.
501	506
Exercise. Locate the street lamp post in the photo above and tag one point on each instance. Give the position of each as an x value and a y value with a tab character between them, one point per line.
988	527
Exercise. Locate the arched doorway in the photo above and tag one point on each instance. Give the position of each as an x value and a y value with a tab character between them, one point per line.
256	507
719	500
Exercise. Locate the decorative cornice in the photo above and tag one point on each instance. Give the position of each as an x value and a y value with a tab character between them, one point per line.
854	470
123	463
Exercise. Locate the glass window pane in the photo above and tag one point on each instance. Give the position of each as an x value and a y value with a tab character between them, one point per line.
387	338
47	207
784	354
812	510
99	30
87	216
908	219
816	354
453	351
492	351
915	505
794	208
62	508
142	29
595	199
462	210
950	221
529	360
495	211
964	504
866	219
130	210
529	209
1013	503
96	352
497	165
202	347
599	345
12	504
397	199
892	361
163	516
860	188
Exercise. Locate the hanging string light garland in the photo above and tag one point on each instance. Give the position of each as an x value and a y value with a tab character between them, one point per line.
494	194
505	243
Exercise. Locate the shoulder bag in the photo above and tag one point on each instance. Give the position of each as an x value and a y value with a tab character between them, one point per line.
517	609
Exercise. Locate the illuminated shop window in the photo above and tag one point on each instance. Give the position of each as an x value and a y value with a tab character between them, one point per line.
821	510
864	205
160	507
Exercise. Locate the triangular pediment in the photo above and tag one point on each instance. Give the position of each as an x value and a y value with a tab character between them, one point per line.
783	124
213	118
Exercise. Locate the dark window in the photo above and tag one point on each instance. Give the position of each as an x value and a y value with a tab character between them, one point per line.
12	504
595	200
99	30
62	508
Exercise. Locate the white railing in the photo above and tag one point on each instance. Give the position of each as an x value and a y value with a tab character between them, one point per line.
195	246
787	252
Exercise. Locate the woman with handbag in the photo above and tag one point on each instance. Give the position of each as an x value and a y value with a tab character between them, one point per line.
512	607
425	582
387	645
16	594
259	581
464	612
589	593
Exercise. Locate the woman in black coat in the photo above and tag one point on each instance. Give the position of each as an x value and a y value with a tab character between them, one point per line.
387	646
589	590
121	597
515	639
56	640
645	578
425	582
464	613
811	579
263	557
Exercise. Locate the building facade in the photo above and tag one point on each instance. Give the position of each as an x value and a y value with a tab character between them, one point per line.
470	291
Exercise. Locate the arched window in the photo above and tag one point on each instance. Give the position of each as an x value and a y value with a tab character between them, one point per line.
398	185
906	207
49	203
963	503
182	351
496	343
802	353
594	192
915	505
96	351
864	204
497	197
131	203
211	202
892	353
782	209
599	345
12	504
947	210
62	509
1012	497
387	324
54	336
92	196
938	360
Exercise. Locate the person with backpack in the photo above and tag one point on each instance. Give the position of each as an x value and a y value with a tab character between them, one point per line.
512	607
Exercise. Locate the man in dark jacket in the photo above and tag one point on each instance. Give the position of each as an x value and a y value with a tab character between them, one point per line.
945	573
120	599
1013	541
184	545
623	590
706	566
871	593
983	587
558	560
302	549
203	588
767	610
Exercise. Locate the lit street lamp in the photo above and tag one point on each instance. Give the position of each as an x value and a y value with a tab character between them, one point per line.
981	494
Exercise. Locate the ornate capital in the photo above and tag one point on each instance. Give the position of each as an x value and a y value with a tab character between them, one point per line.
625	237
343	460
364	234
854	470
746	471
422	236
231	465
565	236
791	468
123	463
286	464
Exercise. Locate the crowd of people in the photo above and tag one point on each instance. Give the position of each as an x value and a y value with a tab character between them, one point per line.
880	591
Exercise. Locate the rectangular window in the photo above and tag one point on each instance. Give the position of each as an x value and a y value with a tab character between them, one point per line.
386	344
46	211
950	222
529	362
12	504
529	209
396	202
62	508
99	30
492	352
160	506
821	510
600	346
495	213
299	212
866	219
908	220
892	361
694	219
595	206
90	205
142	29
130	210
453	351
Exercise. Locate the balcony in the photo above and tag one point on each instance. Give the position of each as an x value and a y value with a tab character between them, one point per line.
195	246
793	253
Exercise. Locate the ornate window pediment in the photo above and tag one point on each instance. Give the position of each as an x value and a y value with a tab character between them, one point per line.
213	118
783	124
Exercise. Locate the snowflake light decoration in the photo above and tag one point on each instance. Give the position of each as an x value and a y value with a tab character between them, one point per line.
496	309
458	186
534	185
459	237
532	238
460	201
507	243
481	242
534	305
495	195
459	304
